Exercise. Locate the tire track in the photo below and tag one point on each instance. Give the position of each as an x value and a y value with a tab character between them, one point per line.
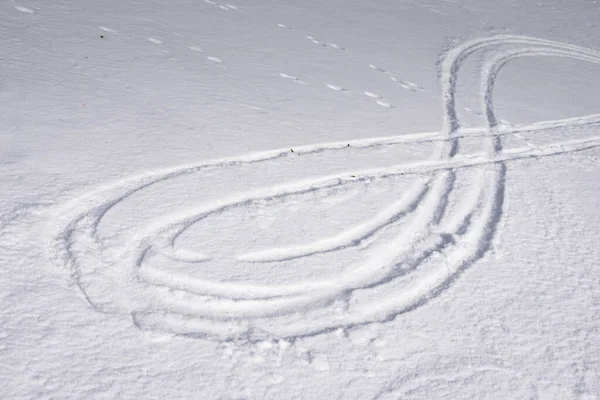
433	245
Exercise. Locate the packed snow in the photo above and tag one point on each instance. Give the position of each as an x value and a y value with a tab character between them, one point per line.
292	199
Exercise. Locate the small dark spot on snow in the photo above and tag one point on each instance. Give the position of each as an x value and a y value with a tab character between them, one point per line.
102	36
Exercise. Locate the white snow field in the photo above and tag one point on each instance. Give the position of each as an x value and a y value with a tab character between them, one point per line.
299	199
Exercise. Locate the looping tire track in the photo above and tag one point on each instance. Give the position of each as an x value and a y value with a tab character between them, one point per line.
184	305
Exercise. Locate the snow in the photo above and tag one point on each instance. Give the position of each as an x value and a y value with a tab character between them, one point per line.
286	199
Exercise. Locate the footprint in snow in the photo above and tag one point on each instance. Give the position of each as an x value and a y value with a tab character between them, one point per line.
336	88
293	78
105	29
24	9
196	49
376	68
335	46
324	44
282	26
214	59
155	41
413	87
379	101
385	104
316	41
373	95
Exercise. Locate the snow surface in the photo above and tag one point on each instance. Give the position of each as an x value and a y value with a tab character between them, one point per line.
300	199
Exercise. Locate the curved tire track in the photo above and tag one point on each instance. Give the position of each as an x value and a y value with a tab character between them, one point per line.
178	303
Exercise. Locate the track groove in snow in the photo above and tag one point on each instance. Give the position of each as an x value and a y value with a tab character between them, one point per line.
433	242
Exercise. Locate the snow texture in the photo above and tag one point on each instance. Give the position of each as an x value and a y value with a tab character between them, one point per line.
266	200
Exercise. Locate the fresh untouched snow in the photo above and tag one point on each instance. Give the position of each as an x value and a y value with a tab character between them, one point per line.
300	199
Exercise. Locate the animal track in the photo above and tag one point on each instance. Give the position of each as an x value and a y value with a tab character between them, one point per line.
384	104
25	10
214	59
292	77
373	95
376	68
324	44
105	29
315	41
226	7
379	100
428	242
335	87
413	87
